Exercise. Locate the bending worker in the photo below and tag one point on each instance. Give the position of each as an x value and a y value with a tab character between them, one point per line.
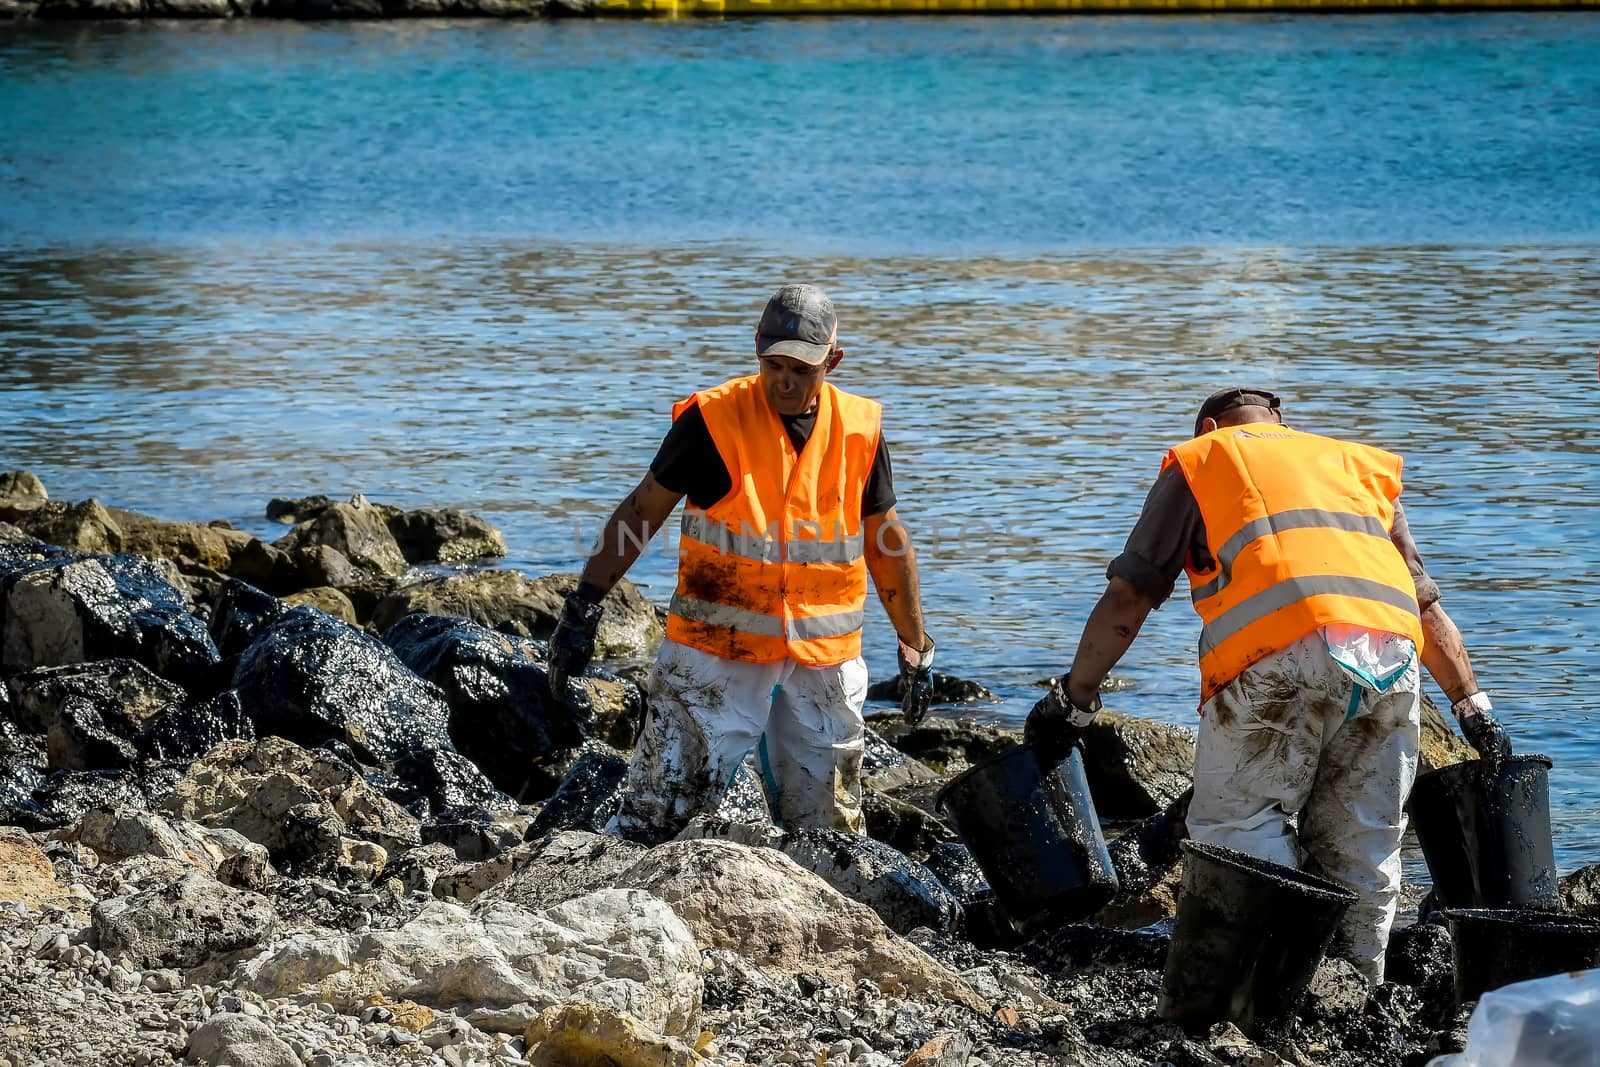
791	507
1314	603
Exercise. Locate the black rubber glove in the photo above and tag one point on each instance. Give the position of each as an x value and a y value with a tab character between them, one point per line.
1055	726
572	645
916	682
1489	738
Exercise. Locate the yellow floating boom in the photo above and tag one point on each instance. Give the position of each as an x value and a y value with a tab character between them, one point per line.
718	8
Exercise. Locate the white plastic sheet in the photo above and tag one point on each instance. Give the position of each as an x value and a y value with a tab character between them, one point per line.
1548	1022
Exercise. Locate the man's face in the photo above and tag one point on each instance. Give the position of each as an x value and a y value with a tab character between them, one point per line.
792	385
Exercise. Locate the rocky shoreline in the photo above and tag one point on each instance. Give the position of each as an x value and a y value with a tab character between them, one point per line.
308	802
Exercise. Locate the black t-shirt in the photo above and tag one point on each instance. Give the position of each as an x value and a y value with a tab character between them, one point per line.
688	462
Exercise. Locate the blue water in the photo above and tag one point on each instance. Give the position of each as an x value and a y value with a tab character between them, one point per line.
906	134
474	264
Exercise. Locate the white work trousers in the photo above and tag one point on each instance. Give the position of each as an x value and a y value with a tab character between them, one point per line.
707	714
1295	736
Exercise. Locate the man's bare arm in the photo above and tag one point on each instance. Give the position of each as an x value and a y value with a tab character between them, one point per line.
893	565
635	520
1444	654
1112	626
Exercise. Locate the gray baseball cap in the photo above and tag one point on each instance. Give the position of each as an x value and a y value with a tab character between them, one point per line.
798	321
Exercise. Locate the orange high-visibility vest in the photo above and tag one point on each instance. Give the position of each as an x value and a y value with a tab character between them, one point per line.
776	569
1298	527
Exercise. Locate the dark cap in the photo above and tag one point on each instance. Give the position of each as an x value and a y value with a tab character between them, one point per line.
799	322
1225	400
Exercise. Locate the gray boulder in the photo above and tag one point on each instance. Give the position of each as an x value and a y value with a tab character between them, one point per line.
124	692
1419	954
22	488
183	925
22	762
492	963
786	920
887	769
356	528
120	833
231	1040
308	808
903	825
60	799
903	892
189	544
1580	892
79	740
511	602
20	550
502	716
310	678
1337	993
1135	766
291	510
327	600
475	834
587	797
546	872
445	535
241	613
186	733
947	689
951	745
91	712
324	566
269	568
419	869
82	527
447	781
69	609
952	863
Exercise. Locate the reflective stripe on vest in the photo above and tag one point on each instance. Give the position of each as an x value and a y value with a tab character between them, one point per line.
1298	519
1298	526
1291	591
809	628
764	548
777	568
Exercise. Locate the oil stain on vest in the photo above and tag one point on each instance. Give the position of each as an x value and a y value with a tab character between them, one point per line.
716	579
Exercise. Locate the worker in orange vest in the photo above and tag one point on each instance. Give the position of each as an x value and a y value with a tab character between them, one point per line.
791	509
1314	603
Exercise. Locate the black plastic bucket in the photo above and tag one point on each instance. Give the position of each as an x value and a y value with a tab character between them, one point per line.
1487	842
1498	946
1033	830
1247	939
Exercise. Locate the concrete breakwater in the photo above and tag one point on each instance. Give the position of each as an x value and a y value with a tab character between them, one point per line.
523	9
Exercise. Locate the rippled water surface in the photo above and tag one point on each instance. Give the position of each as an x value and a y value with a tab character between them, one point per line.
474	265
